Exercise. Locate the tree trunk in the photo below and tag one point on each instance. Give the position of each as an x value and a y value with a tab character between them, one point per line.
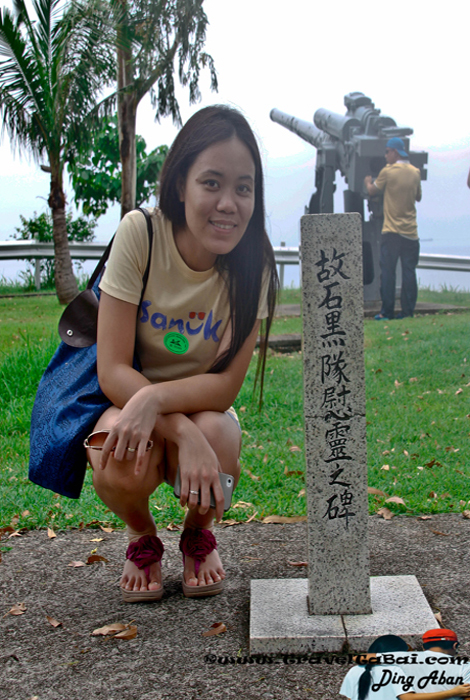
127	110
65	282
127	120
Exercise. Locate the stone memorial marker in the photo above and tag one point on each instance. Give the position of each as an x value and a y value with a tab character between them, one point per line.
335	414
339	606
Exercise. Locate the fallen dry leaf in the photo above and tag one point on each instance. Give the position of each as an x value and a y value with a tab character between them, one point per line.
385	513
284	519
459	391
301	493
424	517
96	557
107	529
16	533
53	622
252	476
242	504
396	499
97	539
432	494
216	628
438	532
109	629
17	609
375	492
4	530
230	522
265	458
462	503
172	526
129	633
385	467
252	517
50	533
295	448
25	514
76	564
451	448
413	379
397	383
297	563
295	472
466	514
438	617
463	474
433	463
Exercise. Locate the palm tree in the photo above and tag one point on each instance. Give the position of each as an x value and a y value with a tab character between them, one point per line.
52	68
153	40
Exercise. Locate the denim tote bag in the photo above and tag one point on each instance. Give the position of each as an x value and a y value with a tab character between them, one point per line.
69	400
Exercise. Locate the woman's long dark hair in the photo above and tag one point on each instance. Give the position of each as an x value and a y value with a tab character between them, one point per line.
244	266
382	645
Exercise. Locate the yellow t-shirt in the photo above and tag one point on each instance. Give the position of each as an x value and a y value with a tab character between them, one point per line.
184	313
401	185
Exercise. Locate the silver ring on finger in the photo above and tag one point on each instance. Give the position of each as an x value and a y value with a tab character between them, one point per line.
196	493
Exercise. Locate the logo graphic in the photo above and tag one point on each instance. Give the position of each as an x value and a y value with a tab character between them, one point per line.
176	343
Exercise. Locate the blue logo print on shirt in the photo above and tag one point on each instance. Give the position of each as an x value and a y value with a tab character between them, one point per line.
159	321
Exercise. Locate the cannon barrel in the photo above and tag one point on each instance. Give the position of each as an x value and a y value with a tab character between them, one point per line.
336	125
306	130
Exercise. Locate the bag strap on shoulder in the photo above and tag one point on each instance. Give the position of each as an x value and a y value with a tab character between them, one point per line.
148	220
105	256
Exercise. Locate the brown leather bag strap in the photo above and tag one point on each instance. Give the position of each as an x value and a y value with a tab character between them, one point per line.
148	219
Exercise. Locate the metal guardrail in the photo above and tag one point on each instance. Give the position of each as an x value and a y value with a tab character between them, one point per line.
32	250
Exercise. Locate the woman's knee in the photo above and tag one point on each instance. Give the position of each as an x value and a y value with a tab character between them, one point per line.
120	477
222	433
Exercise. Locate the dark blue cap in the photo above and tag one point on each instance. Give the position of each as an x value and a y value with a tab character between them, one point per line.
398	145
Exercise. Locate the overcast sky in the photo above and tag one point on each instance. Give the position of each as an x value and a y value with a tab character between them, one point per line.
409	58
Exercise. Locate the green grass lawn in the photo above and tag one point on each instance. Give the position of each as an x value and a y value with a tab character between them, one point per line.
418	423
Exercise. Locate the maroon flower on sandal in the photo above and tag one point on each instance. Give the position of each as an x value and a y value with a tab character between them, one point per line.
197	544
146	551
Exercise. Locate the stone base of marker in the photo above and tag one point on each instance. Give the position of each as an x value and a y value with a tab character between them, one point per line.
280	622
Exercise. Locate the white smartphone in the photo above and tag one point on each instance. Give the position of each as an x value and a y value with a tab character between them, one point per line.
226	481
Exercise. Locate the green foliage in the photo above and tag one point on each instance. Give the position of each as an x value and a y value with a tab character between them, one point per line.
51	72
156	38
54	62
40	228
96	172
446	294
417	394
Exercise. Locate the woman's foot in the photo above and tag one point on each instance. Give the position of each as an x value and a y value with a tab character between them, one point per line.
142	575
203	572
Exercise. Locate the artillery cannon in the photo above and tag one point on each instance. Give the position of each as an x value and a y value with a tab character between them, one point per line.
354	144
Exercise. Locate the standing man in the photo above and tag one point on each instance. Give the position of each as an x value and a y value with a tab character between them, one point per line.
400	183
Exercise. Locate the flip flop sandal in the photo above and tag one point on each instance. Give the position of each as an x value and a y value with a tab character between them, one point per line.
197	544
145	551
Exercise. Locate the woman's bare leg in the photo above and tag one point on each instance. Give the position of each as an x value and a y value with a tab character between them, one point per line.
127	495
223	435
